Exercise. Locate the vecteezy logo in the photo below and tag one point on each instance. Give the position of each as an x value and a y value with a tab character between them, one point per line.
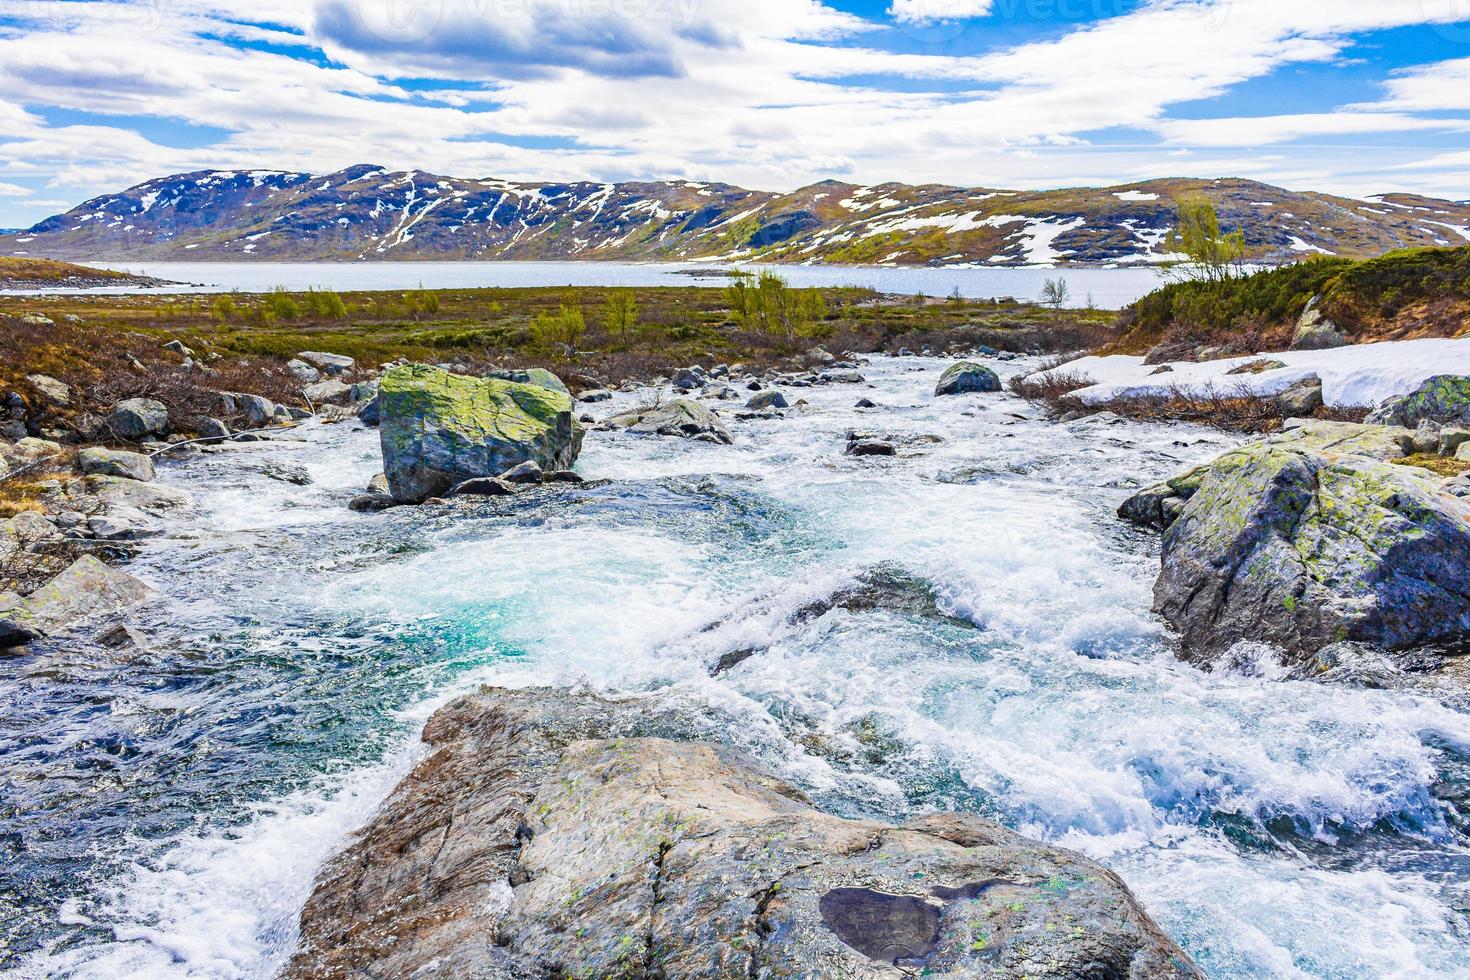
1451	19
401	21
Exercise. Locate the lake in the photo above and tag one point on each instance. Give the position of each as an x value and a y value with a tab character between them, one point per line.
1109	288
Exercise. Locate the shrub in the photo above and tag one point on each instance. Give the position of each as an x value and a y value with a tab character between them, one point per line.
325	305
223	309
281	305
565	327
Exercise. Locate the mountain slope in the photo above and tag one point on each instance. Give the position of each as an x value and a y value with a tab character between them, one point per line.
364	212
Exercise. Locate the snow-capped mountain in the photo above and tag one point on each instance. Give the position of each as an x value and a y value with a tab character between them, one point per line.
365	212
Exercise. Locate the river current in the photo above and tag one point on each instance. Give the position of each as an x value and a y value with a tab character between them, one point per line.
165	811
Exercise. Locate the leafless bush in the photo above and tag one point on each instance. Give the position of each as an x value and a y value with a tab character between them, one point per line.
1051	387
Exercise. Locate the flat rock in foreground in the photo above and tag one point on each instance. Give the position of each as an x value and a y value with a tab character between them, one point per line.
547	835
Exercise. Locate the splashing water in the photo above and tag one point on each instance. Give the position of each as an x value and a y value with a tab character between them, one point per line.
965	626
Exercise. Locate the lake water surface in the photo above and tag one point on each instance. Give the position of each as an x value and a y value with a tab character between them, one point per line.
1108	288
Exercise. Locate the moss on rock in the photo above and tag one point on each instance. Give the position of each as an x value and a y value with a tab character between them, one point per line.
440	429
1301	549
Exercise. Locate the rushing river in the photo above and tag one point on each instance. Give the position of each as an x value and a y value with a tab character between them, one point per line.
165	812
1107	288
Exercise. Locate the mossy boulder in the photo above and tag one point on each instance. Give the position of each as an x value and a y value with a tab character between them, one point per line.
540	377
1302	549
967	378
440	429
1158	507
1445	400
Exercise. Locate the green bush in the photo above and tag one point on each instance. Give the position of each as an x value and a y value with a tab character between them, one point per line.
325	305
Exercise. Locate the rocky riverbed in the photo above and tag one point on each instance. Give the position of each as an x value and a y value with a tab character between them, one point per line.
844	644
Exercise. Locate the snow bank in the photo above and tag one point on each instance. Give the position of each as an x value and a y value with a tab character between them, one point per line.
1362	375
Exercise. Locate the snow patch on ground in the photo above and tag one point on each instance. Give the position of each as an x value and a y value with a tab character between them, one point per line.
1040	237
1357	376
1135	196
1300	245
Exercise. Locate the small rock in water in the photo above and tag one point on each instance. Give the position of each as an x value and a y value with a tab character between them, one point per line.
866	403
967	378
286	473
564	476
871	447
14	634
596	395
526	473
372	503
767	399
484	487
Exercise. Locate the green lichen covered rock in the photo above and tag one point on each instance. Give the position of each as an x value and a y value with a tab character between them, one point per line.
1445	399
1159	506
1302	549
440	429
966	378
1383	442
540	377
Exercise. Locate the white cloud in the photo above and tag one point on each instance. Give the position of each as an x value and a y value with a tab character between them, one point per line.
1436	87
937	11
13	190
757	92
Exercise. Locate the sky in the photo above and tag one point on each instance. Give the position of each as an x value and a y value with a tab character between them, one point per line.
1356	97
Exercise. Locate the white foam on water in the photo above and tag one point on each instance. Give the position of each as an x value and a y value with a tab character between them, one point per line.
1059	708
226	903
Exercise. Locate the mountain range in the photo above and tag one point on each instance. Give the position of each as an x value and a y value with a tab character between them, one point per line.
368	213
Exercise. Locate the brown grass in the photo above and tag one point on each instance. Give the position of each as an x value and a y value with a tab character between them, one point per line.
49	270
1054	389
1440	465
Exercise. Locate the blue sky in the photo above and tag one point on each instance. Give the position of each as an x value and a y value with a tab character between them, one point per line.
1350	96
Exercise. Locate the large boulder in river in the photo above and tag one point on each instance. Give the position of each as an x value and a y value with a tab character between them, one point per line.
1301	549
1382	442
548	834
1445	400
680	417
966	378
440	429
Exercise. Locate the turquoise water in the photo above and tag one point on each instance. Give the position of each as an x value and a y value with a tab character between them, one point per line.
164	816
